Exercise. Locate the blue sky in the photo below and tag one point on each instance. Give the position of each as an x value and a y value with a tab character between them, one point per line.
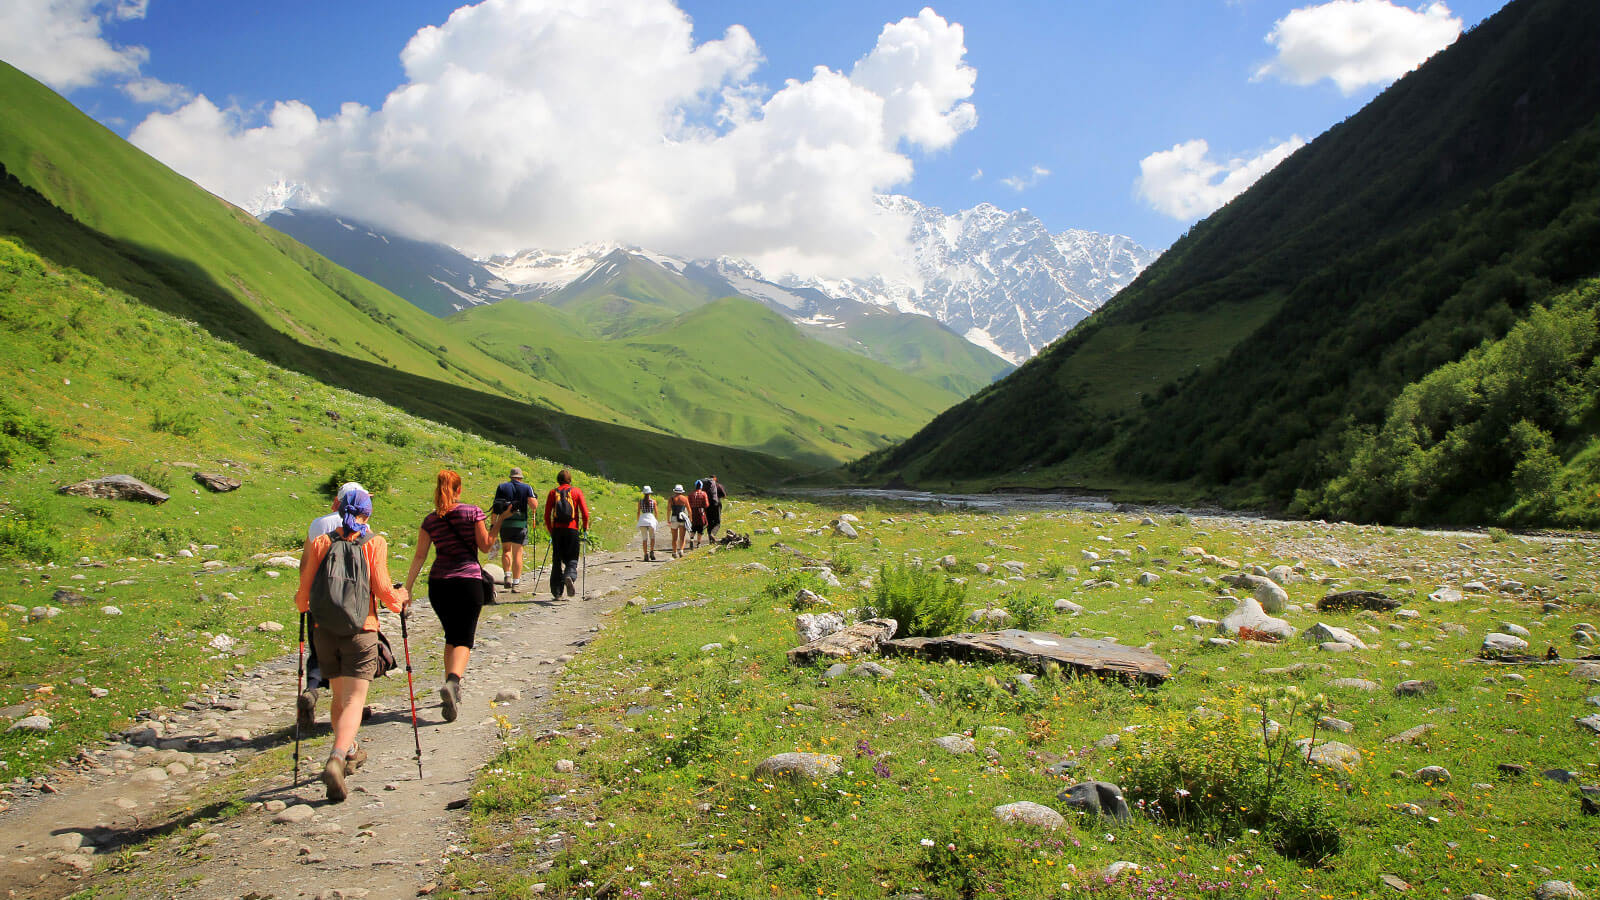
1081	90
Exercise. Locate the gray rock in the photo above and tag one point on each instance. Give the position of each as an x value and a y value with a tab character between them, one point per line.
110	611
1284	575
1250	614
507	695
844	529
805	598
1323	632
1146	579
799	766
1068	607
1514	628
997	618
32	723
1591	723
1332	724
1331	755
298	814
116	487
1416	688
1410	735
566	766
1342	600
958	744
837	670
1025	812
1498	644
1096	798
1266	592
1432	775
871	669
1557	890
816	626
1200	622
1445	595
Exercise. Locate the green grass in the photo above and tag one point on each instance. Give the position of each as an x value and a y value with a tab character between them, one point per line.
665	792
88	365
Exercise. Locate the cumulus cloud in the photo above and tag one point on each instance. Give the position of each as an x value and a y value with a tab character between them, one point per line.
1020	183
60	42
1186	183
551	123
155	92
1356	43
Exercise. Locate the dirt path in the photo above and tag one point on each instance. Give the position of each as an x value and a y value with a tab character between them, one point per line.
390	839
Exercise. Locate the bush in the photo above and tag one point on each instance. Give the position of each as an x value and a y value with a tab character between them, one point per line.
397	438
924	603
790	582
157	476
1499	535
21	434
1217	772
144	540
373	473
29	540
1030	610
179	423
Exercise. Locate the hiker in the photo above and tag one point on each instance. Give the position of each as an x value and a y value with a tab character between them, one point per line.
511	508
714	497
678	508
457	532
647	524
566	518
306	703
343	575
697	511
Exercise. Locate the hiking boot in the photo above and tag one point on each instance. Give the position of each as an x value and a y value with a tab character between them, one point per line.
353	760
572	587
333	778
305	708
506	581
450	696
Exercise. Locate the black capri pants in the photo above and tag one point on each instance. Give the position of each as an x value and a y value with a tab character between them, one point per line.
457	602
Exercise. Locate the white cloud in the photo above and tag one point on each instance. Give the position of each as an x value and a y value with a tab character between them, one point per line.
1185	183
555	122
1020	183
977	174
1356	43
60	43
155	92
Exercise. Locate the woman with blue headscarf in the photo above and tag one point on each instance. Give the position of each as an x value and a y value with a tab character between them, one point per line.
351	661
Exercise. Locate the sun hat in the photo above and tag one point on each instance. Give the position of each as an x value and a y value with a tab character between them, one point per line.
516	471
677	489
647	489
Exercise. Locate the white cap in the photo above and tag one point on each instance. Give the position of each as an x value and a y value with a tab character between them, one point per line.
647	489
346	488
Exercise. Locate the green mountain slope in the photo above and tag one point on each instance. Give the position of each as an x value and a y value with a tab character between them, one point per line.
625	295
1249	360
917	345
731	368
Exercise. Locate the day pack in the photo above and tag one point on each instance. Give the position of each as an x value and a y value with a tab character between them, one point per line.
563	512
341	591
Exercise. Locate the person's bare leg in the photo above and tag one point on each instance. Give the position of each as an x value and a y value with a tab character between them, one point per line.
516	564
349	698
455	660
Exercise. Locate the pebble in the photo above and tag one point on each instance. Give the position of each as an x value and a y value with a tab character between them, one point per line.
566	766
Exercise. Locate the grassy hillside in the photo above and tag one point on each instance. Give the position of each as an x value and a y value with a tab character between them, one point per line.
916	345
1249	361
97	383
730	369
80	196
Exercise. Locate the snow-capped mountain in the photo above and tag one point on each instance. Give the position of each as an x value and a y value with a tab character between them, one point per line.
1001	279
535	273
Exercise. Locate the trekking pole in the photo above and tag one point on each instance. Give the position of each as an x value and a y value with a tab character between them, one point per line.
584	542
299	685
539	575
416	736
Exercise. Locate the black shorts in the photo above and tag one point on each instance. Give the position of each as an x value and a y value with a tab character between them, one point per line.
509	535
457	602
713	517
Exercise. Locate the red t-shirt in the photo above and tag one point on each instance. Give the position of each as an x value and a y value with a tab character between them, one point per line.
698	501
580	511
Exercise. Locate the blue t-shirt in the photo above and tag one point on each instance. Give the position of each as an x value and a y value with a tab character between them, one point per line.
514	495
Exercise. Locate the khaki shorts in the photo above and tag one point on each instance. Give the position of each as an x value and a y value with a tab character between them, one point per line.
355	656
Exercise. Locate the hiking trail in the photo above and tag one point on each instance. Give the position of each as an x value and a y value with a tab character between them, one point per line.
393	835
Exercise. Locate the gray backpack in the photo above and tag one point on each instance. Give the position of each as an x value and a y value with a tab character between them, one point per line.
341	591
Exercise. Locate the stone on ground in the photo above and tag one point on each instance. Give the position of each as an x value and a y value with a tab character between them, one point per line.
1025	812
1097	798
799	766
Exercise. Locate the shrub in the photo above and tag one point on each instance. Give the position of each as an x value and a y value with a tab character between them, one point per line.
397	438
1029	610
144	540
373	473
29	540
1218	772
1499	535
789	582
157	476
21	434
924	603
179	423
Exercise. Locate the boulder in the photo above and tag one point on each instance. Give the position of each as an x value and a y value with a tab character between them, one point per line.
1096	798
32	723
844	529
1266	591
1250	614
1557	890
799	766
116	487
956	744
1342	600
1331	755
1284	575
220	484
1323	632
1037	649
1499	644
1415	688
1067	606
859	639
806	599
1445	595
990	617
1432	775
816	626
1026	812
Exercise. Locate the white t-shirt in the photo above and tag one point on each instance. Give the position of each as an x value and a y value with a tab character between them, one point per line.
327	524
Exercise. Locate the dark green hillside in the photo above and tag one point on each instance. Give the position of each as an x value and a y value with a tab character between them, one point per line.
1247	363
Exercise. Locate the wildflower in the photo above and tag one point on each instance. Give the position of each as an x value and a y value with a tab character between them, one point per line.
927	842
